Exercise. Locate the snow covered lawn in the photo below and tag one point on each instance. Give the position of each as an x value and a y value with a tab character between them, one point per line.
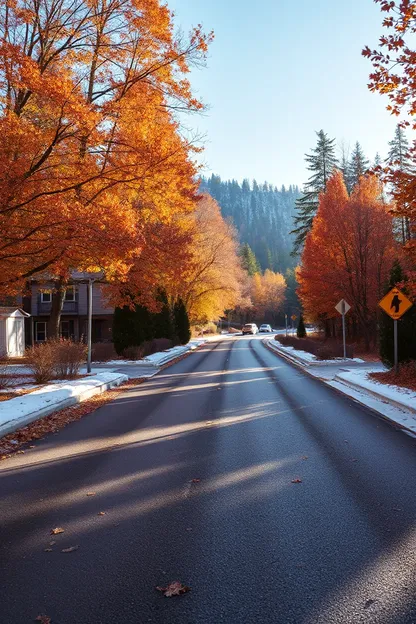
160	358
22	410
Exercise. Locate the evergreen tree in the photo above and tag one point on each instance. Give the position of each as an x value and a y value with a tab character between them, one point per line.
181	319
249	260
344	167
398	157
406	326
357	166
321	163
377	160
131	327
162	321
301	330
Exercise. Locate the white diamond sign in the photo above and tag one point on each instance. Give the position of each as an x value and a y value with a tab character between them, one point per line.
342	307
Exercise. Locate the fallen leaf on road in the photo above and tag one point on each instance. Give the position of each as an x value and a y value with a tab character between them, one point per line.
174	589
304	457
48	550
354	460
90	493
43	619
195	480
296	481
70	549
52	543
57	531
189	529
101	513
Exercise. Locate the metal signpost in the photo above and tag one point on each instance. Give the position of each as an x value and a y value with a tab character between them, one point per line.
395	304
343	307
286	323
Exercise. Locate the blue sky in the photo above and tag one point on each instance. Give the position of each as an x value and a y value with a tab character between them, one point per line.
277	71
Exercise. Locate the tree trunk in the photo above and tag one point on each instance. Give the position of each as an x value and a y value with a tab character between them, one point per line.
58	298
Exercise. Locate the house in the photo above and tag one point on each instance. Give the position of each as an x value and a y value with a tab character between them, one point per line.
74	313
12	331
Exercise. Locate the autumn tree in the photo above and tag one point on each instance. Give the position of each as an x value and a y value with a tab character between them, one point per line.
394	75
212	281
321	163
268	295
348	253
90	151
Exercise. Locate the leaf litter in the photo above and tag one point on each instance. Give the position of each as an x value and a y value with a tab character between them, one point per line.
296	481
70	549
176	588
43	619
57	531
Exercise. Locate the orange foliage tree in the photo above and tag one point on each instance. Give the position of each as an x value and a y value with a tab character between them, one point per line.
268	295
394	75
348	253
90	154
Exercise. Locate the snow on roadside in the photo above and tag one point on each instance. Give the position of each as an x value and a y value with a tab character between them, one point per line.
21	410
157	359
308	358
396	395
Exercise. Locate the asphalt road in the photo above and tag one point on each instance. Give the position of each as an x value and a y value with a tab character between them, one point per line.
339	547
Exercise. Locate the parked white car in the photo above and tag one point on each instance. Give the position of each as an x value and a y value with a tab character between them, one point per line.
250	328
265	328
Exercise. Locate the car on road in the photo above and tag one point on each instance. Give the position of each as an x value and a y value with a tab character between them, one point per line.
250	328
265	328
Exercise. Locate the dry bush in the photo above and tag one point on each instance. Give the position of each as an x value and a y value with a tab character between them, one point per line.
103	352
160	344
323	350
134	352
69	356
41	361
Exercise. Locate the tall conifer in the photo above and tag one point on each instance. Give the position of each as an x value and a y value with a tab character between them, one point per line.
321	162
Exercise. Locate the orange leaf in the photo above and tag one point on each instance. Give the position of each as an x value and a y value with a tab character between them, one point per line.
70	549
176	588
57	531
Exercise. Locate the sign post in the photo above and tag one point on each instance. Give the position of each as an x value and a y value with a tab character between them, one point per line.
343	307
395	304
293	317
286	323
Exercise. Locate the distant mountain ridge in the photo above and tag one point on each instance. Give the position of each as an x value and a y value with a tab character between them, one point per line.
262	215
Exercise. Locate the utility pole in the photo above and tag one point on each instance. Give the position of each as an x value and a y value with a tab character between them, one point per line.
89	327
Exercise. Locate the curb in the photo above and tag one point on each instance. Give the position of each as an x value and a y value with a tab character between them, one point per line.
376	395
17	423
357	388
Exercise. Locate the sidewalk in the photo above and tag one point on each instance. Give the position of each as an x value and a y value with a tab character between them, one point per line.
351	377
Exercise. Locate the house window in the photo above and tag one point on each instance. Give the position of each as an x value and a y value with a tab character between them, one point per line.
67	329
70	293
40	330
46	297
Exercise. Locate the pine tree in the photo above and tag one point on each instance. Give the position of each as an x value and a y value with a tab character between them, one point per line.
321	163
344	166
249	260
357	166
301	330
398	158
377	160
406	326
181	319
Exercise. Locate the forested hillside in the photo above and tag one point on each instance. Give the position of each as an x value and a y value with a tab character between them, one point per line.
263	216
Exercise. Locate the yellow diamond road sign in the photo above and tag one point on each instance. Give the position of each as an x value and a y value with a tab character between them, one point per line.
395	304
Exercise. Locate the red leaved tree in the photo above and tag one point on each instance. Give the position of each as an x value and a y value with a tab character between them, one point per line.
348	253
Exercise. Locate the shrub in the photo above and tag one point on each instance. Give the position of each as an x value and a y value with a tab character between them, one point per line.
41	361
322	350
134	353
103	352
325	353
182	325
69	356
301	330
60	359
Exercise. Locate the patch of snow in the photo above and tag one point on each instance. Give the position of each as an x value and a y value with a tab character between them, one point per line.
20	411
360	380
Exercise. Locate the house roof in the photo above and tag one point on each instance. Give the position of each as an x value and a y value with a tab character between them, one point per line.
12	311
